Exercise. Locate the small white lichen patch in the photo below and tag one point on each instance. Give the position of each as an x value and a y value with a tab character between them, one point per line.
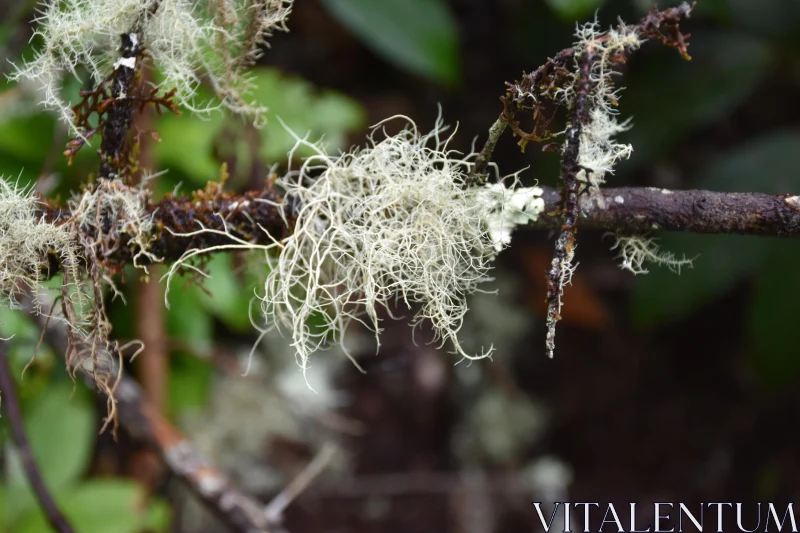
26	241
603	47
636	250
184	38
509	208
598	151
126	209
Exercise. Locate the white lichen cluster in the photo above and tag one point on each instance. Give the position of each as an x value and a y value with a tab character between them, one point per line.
506	208
636	250
392	223
26	243
110	214
95	224
187	41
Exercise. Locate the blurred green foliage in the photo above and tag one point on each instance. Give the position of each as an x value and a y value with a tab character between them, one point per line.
572	10
60	422
420	36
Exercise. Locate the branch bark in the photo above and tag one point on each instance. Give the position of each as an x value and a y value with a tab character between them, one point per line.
626	210
120	110
633	210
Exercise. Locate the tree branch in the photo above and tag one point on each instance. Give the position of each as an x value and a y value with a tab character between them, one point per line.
54	515
626	210
644	209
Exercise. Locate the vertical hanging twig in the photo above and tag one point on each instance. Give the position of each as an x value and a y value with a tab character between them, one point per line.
561	268
11	406
120	109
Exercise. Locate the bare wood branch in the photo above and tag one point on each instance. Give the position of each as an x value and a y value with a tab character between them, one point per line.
626	210
632	210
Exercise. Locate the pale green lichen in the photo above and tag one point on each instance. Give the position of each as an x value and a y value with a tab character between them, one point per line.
394	222
636	250
26	242
186	40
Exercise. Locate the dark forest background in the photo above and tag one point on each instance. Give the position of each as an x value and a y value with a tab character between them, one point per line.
664	387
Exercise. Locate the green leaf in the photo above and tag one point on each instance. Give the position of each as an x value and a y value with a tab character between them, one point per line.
188	140
190	383
187	319
723	261
305	110
186	145
27	138
102	506
418	35
772	324
228	300
570	10
60	429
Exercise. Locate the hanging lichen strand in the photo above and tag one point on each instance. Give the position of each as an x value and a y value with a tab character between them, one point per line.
580	80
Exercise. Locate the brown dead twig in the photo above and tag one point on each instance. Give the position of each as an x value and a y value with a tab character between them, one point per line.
112	103
536	91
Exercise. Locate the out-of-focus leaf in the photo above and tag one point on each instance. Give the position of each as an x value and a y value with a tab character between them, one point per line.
188	140
772	324
669	97
27	138
186	144
190	382
775	19
570	10
723	260
60	432
228	299
767	164
321	113
187	320
102	506
418	35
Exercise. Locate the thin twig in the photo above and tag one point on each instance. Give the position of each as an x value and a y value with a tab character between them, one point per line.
276	508
478	175
11	405
561	268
